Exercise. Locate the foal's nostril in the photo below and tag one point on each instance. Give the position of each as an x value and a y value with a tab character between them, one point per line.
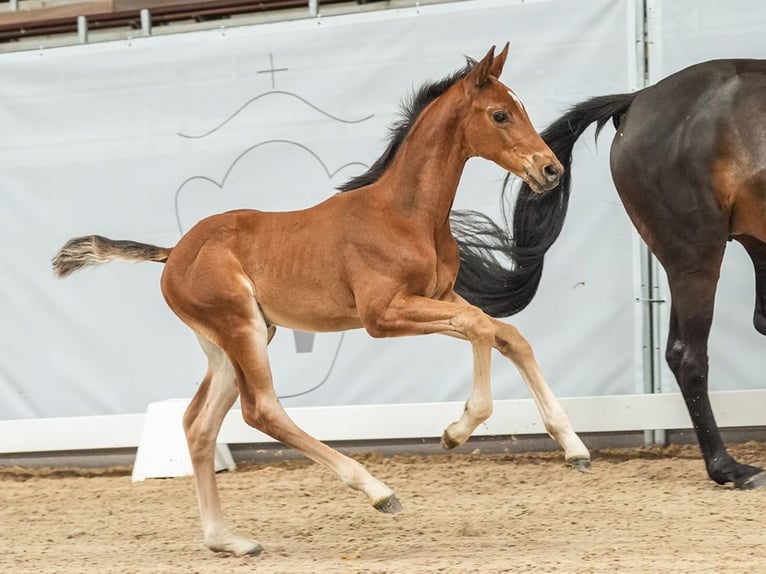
551	172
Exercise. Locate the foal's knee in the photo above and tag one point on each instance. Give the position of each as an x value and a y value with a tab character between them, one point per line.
512	344
483	328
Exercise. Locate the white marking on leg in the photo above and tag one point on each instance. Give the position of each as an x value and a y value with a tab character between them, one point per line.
514	346
478	408
201	433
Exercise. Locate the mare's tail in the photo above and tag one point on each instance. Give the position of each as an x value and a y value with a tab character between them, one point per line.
94	249
500	271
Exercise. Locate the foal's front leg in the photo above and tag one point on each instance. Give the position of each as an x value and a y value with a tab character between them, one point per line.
515	347
478	408
415	315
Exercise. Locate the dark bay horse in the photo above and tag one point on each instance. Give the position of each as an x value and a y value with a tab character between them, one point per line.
381	257
689	164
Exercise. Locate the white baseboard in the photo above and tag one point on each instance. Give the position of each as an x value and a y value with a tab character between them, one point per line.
378	422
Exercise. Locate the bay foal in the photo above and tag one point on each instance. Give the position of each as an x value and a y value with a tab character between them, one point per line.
381	257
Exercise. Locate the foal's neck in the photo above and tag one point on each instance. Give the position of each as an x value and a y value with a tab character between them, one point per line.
423	178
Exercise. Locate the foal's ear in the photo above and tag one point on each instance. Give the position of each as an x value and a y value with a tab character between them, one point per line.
497	65
479	75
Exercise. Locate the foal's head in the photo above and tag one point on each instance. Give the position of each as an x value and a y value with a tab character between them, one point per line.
498	127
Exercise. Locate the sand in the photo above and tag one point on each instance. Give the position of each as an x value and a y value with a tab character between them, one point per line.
640	511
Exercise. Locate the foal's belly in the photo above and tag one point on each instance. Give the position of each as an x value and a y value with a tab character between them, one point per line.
301	318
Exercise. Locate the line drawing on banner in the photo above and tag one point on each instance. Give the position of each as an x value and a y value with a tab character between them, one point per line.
304	341
274	93
220	184
272	70
323	380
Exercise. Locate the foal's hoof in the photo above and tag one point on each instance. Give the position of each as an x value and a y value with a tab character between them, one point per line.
752	482
581	464
448	442
235	546
390	504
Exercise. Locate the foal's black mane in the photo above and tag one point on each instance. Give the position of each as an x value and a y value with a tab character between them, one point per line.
410	109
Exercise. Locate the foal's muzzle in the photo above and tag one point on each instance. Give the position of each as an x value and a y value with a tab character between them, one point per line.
543	172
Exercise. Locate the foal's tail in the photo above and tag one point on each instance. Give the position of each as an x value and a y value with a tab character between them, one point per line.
94	249
500	271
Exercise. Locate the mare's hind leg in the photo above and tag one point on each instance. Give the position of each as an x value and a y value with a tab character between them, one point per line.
515	347
202	421
691	315
756	249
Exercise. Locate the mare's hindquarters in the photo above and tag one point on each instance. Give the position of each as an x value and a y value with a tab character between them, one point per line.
665	161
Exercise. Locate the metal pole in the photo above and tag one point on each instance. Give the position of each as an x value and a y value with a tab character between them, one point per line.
652	293
313	8
14	4
146	22
82	29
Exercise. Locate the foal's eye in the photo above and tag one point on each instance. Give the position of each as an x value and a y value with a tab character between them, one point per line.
500	116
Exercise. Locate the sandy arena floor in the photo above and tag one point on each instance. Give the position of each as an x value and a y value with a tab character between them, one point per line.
641	511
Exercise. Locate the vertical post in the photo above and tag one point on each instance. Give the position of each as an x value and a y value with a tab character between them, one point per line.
82	29
14	4
653	294
146	22
313	8
653	41
659	294
658	303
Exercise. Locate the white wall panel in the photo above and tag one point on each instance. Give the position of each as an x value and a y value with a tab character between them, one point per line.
687	32
94	139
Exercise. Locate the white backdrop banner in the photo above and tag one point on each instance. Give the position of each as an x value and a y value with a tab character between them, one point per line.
140	139
683	33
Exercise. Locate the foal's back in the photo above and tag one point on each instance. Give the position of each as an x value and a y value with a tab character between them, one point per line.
304	267
273	257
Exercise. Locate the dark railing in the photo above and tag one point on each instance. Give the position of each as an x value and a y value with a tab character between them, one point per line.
17	21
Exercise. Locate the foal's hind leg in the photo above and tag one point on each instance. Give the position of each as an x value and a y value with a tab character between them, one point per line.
261	409
515	347
244	336
202	422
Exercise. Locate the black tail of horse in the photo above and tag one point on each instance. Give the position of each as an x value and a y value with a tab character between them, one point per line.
500	271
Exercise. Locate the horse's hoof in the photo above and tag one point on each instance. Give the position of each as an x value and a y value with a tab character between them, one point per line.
448	442
581	464
752	482
255	551
390	504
